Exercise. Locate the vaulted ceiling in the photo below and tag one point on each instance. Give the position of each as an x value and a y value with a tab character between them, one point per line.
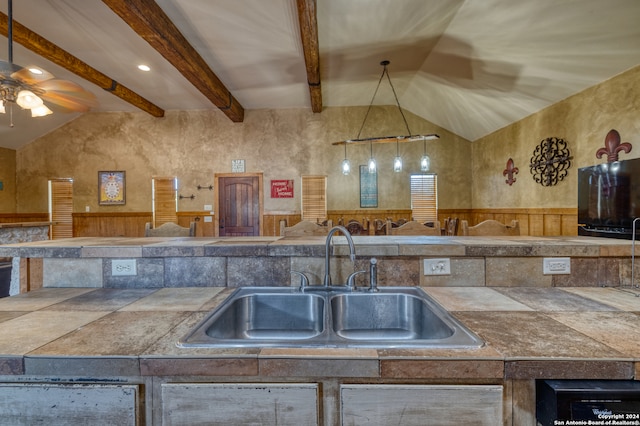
470	66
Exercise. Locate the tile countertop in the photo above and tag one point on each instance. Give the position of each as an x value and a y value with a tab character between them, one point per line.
587	332
389	245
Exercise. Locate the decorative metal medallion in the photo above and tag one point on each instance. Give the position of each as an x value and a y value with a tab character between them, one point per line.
550	161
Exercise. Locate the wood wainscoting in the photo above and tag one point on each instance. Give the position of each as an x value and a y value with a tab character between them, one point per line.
110	224
271	221
535	222
550	222
23	217
204	222
368	216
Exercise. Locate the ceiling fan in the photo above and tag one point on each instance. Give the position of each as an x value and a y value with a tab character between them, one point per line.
29	87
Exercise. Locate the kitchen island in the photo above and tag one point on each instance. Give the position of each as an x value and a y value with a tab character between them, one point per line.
115	343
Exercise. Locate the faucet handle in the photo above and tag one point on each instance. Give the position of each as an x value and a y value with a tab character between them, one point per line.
304	281
351	281
373	275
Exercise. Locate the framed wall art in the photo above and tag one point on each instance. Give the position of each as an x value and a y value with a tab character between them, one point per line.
111	188
368	187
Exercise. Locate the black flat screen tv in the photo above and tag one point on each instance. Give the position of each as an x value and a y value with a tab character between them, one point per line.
609	199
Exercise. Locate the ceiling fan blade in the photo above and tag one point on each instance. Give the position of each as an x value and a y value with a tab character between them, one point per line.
32	75
8	68
67	95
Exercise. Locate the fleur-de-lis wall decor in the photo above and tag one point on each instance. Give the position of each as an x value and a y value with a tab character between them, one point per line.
509	172
612	146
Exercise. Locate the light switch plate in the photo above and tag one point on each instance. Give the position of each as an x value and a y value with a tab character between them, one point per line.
437	266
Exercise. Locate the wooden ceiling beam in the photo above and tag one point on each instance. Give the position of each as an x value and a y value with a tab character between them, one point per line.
48	50
309	35
150	22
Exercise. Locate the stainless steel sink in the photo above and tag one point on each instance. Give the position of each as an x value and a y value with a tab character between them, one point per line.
262	316
393	317
386	316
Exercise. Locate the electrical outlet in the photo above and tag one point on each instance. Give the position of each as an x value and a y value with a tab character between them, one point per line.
437	267
121	267
556	265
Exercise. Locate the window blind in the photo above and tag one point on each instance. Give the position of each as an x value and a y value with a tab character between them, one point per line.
164	200
61	208
424	197
314	198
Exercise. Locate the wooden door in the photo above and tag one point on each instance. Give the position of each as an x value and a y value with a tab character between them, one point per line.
239	209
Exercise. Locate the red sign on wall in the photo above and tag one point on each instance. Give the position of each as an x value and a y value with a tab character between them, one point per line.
282	188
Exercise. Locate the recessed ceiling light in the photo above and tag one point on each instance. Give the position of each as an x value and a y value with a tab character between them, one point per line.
144	68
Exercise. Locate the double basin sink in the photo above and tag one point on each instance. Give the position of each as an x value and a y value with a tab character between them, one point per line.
392	317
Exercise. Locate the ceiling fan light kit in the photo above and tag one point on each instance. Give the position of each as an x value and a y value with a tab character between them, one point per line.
29	87
409	137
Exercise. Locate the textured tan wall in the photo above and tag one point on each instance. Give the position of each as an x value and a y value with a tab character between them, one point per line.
193	145
583	120
8	179
284	144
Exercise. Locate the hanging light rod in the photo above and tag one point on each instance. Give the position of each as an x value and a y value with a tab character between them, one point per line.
389	139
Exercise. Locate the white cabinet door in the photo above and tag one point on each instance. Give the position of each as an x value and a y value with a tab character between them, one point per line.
239	404
61	404
421	405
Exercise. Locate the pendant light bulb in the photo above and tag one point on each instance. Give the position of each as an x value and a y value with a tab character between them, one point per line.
425	162
397	164
346	167
372	165
372	161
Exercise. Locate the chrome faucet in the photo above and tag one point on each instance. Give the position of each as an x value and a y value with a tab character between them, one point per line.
304	281
327	253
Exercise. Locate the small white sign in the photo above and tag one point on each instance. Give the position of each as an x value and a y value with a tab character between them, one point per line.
237	166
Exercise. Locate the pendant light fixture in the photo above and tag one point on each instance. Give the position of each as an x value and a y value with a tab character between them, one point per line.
346	165
409	137
372	161
397	162
425	161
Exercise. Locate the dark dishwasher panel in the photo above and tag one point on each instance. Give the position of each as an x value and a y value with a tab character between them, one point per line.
5	278
558	402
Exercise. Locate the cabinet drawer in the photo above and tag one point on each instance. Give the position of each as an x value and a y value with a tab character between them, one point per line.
48	404
420	405
239	404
